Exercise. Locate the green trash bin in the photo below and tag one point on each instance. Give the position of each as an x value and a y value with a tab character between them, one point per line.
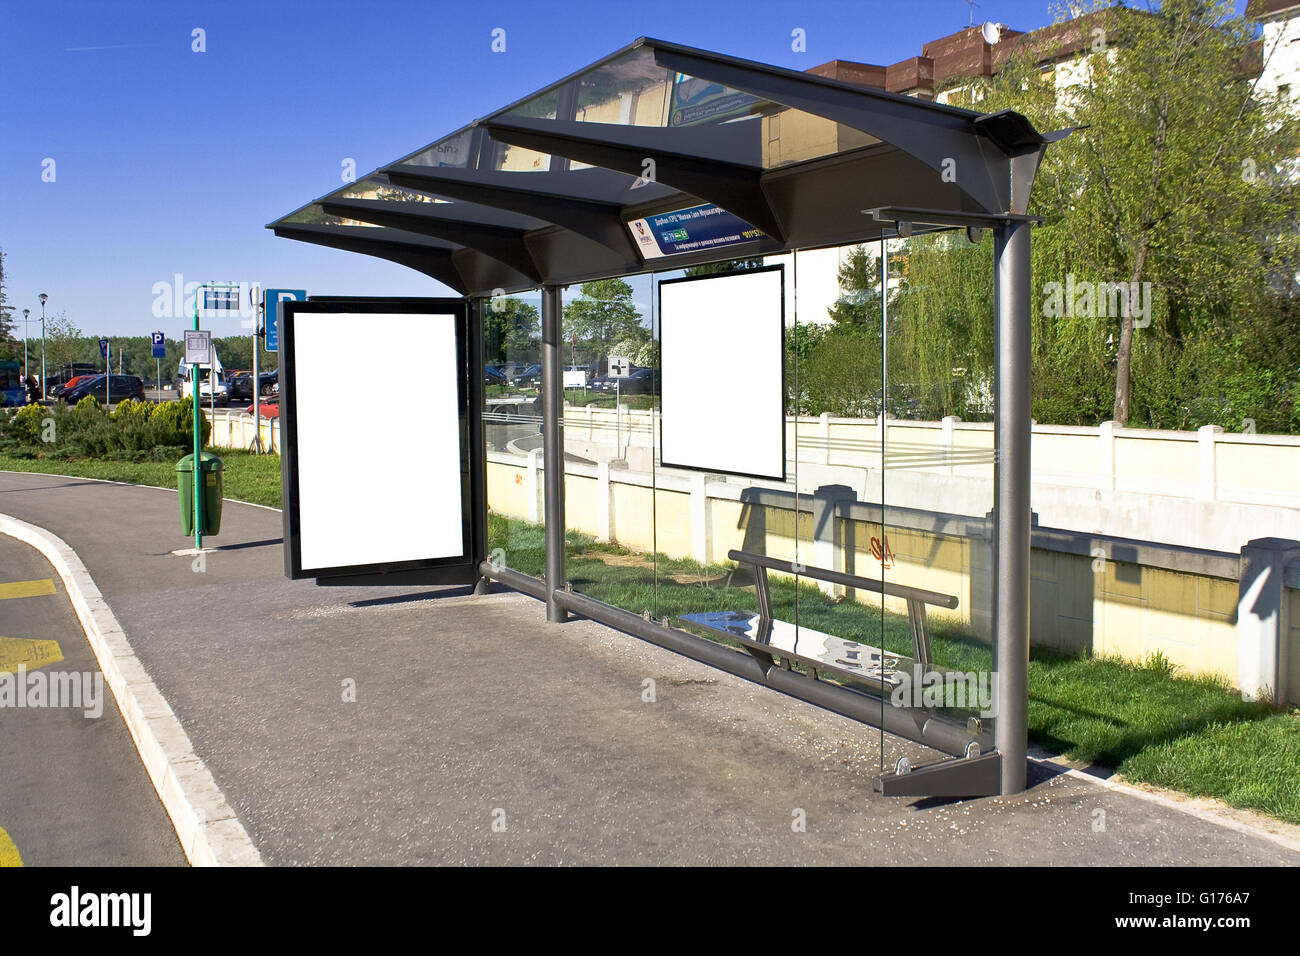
210	482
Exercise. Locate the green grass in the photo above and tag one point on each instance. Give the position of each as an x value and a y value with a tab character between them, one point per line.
254	478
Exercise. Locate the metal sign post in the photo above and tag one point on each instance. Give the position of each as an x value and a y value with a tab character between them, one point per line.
202	345
108	370
198	348
619	369
159	342
258	307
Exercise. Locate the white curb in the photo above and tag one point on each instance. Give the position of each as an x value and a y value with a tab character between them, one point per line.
209	831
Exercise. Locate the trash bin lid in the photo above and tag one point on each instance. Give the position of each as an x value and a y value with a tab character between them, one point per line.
207	462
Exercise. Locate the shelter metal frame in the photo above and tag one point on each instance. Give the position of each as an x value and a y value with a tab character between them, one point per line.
485	230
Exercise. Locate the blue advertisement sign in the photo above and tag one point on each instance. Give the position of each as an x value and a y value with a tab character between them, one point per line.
271	313
159	345
696	101
694	229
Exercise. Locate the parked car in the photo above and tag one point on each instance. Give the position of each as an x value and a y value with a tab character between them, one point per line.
492	376
641	381
531	377
66	374
73	382
104	388
511	370
644	381
241	387
270	408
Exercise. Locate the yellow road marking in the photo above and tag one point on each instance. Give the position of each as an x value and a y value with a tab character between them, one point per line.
8	852
17	589
31	654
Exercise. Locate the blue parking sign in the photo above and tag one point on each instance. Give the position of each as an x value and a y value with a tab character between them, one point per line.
103	348
159	345
271	313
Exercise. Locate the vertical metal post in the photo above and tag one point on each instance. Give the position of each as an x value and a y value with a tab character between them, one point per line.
1011	492
198	432
553	448
256	447
477	440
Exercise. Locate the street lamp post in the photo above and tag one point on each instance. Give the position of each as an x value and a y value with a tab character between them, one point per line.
27	369
44	387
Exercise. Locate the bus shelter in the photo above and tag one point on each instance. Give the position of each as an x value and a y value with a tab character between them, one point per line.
655	159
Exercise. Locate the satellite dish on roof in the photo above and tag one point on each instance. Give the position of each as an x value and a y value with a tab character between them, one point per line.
992	32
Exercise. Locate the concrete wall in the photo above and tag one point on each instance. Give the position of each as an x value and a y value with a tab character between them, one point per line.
237	430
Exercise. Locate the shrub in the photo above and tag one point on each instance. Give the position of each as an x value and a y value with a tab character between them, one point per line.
134	431
25	426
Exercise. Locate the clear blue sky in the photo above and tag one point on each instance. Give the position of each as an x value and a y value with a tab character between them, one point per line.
169	161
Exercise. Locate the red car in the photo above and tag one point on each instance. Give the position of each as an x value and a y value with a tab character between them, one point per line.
269	409
71	384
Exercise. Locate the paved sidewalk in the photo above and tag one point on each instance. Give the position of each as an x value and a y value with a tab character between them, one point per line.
471	711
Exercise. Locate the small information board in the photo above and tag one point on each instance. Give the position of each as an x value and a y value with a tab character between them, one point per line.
198	347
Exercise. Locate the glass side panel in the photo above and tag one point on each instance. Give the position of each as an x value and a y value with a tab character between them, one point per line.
898	491
609	414
512	340
705	512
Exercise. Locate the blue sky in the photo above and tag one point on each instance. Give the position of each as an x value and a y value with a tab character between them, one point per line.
169	161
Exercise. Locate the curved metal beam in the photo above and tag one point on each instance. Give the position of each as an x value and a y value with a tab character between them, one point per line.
691	160
504	244
536	194
430	257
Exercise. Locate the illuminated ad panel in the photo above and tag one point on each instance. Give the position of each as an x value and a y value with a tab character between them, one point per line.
721	345
693	229
376	479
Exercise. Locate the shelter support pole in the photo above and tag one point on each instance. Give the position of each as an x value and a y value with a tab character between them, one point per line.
477	440
553	449
1011	490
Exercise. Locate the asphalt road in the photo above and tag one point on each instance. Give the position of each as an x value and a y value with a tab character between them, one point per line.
72	789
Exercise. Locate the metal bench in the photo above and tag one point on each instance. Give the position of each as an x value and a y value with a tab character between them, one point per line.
880	672
767	638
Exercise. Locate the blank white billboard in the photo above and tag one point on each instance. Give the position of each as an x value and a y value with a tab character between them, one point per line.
722	372
379	472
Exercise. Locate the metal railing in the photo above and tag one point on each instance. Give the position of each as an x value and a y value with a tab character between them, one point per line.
917	598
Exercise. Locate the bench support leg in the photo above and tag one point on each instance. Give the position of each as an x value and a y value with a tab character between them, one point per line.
959	777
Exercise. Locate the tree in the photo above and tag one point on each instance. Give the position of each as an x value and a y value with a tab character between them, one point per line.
64	343
603	314
1180	176
512	331
7	337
